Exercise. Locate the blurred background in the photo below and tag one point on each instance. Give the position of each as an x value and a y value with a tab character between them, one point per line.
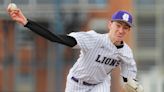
29	63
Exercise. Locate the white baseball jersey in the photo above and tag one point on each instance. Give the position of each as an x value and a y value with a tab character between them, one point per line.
98	56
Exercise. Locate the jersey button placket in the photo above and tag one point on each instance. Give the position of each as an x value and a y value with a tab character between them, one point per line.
117	54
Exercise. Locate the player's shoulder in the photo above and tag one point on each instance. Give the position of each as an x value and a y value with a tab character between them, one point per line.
127	47
90	33
126	50
93	32
84	32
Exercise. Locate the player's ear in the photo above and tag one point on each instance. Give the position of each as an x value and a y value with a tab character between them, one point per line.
109	24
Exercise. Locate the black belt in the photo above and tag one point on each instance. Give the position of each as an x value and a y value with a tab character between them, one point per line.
84	83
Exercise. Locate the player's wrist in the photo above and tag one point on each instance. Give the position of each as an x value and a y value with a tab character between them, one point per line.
24	22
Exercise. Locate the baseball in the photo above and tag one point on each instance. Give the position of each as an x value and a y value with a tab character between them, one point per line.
12	6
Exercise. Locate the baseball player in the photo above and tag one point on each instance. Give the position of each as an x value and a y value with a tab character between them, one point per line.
99	53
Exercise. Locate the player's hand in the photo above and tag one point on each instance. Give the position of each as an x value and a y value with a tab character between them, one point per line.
17	15
132	86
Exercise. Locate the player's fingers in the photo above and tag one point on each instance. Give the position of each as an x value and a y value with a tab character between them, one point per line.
11	13
14	15
15	12
8	9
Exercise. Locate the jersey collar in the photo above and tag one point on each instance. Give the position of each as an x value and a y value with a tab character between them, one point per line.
121	45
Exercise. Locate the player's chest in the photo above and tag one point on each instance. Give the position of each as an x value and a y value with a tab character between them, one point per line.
104	56
105	51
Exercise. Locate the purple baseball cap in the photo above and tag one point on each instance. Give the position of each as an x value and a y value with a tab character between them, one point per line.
123	16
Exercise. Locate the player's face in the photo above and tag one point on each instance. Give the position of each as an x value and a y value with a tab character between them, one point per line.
118	30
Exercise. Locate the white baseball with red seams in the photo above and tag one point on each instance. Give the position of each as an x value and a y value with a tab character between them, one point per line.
98	56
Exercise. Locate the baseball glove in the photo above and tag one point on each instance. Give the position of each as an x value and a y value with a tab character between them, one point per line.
132	86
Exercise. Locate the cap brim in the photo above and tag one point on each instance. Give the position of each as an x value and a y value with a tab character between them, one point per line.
123	21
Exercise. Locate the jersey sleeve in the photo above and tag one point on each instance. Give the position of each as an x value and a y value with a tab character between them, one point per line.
85	40
128	64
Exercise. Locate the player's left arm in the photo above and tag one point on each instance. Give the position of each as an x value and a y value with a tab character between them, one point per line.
128	72
122	84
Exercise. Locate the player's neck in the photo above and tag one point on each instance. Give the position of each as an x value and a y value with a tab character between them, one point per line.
115	42
118	44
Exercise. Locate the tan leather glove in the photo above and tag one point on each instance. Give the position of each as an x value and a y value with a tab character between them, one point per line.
132	86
